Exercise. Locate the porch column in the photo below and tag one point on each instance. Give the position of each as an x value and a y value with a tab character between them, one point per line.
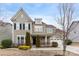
31	40
46	40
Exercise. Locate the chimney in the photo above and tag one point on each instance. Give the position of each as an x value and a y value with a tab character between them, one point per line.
38	20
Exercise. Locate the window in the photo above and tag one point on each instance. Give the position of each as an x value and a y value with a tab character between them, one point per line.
21	39
29	26
38	20
20	26
49	30
23	26
14	26
38	28
18	40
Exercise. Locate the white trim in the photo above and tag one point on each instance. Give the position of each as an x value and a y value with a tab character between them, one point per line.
17	26
26	26
46	39
13	33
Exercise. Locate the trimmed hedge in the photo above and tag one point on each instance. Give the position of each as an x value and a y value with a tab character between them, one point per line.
54	44
24	47
6	43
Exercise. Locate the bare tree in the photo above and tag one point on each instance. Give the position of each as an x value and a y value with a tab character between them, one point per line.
65	19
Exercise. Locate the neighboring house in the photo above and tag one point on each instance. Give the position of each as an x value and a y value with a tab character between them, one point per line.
22	23
74	31
5	31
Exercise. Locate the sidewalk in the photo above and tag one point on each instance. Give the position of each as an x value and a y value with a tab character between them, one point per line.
69	48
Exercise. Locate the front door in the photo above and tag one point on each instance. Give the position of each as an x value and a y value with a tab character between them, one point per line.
34	40
20	40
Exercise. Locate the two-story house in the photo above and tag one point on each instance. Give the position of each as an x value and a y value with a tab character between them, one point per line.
74	31
5	30
22	23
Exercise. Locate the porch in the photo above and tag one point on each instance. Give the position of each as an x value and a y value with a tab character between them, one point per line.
44	41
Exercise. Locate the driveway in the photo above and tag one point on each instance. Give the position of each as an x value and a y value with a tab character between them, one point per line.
73	49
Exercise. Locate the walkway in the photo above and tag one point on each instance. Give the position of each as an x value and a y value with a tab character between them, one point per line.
46	49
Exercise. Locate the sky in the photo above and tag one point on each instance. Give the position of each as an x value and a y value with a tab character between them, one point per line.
47	11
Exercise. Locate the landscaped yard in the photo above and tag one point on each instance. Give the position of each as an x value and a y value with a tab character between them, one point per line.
17	52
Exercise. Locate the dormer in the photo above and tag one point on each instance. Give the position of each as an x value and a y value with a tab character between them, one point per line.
38	20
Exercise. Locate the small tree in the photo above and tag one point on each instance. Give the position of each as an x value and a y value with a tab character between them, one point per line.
37	41
28	41
66	12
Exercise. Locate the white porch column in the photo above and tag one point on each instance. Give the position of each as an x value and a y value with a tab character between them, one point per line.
46	40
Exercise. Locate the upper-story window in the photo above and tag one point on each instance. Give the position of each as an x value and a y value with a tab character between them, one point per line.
49	30
14	26
21	26
38	20
38	28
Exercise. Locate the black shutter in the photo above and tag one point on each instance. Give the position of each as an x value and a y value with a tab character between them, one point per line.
23	26
29	26
14	26
20	26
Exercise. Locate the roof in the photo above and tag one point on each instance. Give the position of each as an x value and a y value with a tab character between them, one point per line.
51	26
59	31
74	23
20	10
47	25
4	23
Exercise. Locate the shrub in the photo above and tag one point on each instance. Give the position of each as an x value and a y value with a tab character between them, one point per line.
37	41
68	42
54	44
1	47
6	43
24	47
28	40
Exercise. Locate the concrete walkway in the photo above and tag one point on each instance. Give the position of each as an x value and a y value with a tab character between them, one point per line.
46	49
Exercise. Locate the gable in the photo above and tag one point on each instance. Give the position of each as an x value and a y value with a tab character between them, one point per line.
21	16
